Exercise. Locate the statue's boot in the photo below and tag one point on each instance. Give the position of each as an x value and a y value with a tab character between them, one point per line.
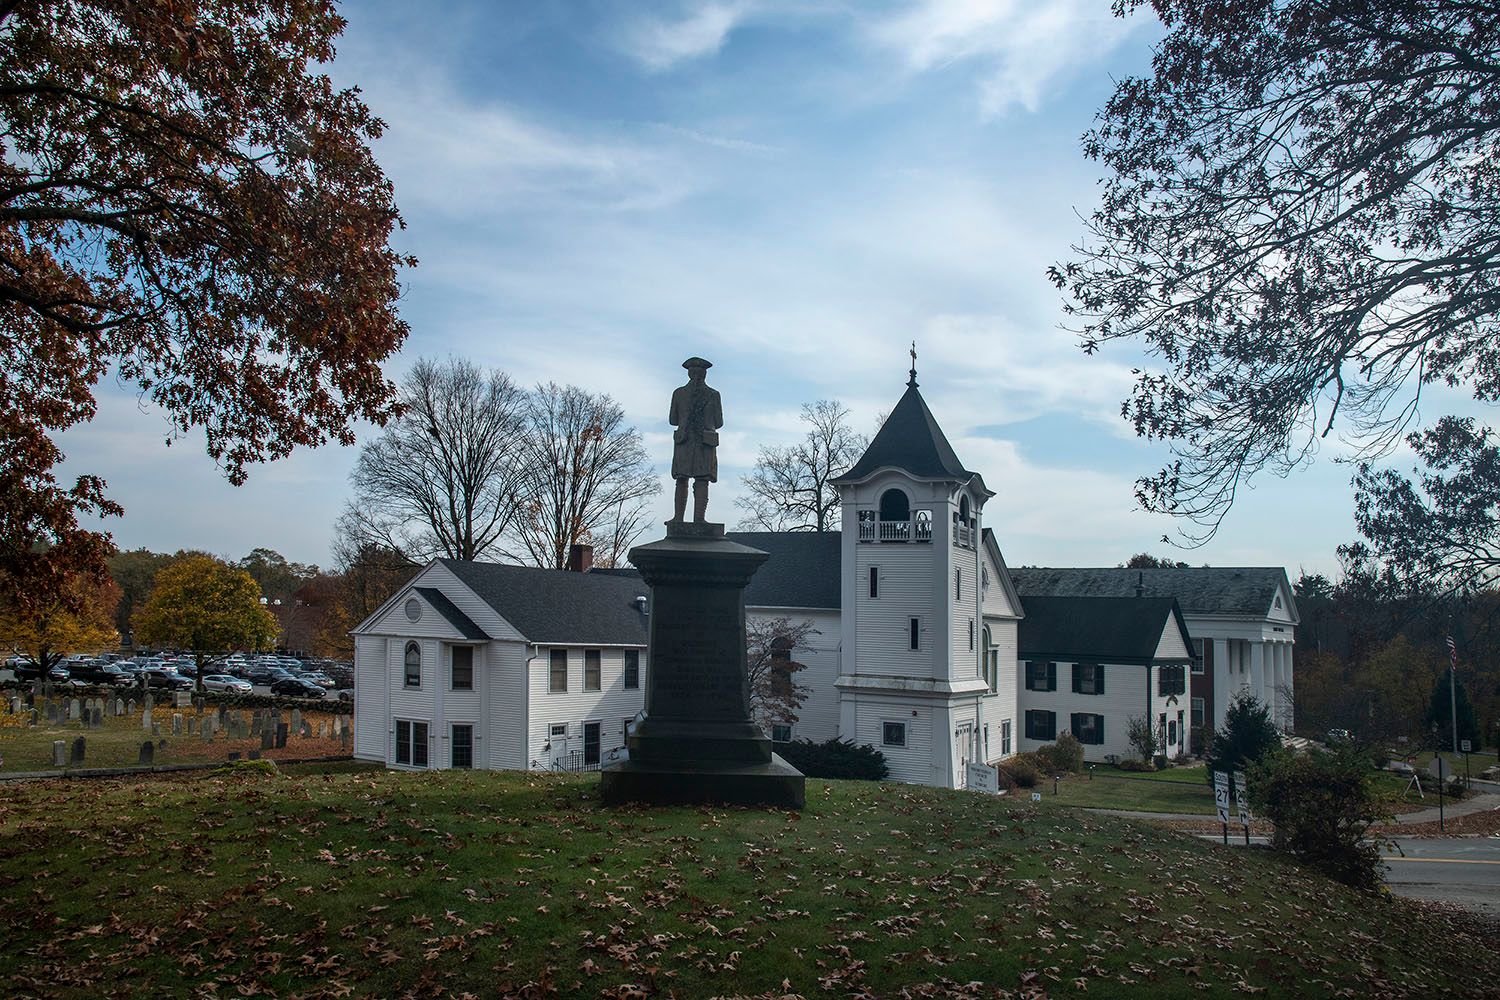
700	498
679	506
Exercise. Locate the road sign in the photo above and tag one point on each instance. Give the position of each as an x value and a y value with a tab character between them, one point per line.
1036	796
1465	746
983	778
1221	795
1242	797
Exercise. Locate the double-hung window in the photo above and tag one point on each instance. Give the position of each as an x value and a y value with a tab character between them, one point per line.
1041	725
1005	738
462	668
1088	728
411	743
558	674
1088	678
632	669
463	746
591	671
1171	680
1041	675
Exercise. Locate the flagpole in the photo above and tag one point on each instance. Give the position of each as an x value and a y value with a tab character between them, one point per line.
1453	687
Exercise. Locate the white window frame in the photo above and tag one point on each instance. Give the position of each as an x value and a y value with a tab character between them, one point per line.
598	655
551	677
411	743
406	681
452	648
884	733
553	731
625	669
1005	737
453	743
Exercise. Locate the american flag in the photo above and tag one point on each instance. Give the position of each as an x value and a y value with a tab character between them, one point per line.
1453	652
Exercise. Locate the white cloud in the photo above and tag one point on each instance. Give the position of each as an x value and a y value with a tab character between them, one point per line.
661	44
1022	46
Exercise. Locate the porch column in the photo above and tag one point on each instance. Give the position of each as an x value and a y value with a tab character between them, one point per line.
1287	682
1258	670
1222	693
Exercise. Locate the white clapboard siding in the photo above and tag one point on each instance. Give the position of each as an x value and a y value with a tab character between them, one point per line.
1171	646
1124	696
912	762
964	613
1002	705
371	695
818	718
506	724
994	597
909	586
609	706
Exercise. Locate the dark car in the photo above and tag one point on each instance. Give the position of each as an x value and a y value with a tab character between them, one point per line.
295	687
29	670
158	677
96	672
267	675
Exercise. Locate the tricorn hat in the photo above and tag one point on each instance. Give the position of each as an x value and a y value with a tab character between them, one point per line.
692	363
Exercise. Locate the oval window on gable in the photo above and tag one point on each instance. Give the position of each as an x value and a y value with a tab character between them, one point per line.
894	506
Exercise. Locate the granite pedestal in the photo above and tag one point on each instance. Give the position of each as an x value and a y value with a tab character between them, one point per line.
697	741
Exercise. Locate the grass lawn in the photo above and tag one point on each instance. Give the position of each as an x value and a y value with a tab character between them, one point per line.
118	742
1175	790
371	883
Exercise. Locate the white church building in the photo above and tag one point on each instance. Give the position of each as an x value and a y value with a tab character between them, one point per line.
925	644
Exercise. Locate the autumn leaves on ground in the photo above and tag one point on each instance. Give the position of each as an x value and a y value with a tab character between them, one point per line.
335	881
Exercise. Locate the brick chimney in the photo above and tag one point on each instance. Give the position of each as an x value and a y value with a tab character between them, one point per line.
580	558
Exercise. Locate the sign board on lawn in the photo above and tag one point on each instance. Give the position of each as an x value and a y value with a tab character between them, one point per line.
1465	746
1242	797
1221	795
983	778
1036	796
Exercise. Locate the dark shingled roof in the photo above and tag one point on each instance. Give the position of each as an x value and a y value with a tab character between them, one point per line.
803	571
910	440
549	605
1221	590
448	610
1111	629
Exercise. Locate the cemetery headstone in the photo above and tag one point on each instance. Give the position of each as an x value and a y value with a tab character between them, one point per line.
51	714
306	733
75	710
78	750
119	707
257	723
192	725
156	729
150	701
321	724
267	739
59	753
346	738
281	734
146	717
176	724
297	721
97	718
148	753
130	707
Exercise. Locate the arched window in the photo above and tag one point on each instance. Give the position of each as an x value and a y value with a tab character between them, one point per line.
963	511
990	660
894	506
413	665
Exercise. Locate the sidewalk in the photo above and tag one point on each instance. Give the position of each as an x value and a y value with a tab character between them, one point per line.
1483	802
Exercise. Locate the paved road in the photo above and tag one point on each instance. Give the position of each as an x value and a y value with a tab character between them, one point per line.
1464	870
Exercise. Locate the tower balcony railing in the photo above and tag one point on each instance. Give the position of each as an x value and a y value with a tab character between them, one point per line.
912	530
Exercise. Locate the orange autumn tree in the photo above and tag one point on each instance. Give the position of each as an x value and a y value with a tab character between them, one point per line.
81	621
207	607
189	205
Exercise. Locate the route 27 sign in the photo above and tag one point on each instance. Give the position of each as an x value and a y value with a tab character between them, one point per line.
1221	795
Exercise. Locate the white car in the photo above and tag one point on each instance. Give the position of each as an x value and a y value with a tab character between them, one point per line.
223	682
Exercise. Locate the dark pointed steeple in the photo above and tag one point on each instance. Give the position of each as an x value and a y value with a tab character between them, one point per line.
911	440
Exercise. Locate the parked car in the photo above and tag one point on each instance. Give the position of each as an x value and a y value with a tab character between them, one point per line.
295	687
267	675
99	672
30	670
160	677
322	680
224	682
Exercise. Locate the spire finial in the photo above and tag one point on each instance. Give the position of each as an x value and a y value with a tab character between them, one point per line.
913	380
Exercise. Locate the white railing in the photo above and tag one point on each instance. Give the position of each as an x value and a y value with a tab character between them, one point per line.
914	530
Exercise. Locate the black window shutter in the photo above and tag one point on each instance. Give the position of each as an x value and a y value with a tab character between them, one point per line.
1051	676
1098	678
1098	729
1077	680
1074	724
1051	725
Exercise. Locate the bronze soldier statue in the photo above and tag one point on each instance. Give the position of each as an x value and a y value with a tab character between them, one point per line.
697	415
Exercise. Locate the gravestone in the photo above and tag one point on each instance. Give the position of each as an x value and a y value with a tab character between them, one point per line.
297	721
51	714
59	753
97	719
257	724
146	717
192	725
150	701
75	710
223	714
130	707
320	728
267	739
176	724
119	707
156	729
697	741
79	746
281	734
306	730
346	738
148	753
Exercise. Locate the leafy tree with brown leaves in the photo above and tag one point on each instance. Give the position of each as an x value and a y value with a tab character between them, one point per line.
207	607
791	488
1300	224
188	204
81	622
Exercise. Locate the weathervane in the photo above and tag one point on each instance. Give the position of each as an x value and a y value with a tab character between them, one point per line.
913	380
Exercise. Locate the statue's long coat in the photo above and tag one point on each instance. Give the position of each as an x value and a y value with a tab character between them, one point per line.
697	415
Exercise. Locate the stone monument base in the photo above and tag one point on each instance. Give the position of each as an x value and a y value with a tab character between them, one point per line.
773	783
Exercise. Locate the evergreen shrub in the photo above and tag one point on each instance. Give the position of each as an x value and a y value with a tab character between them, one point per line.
835	758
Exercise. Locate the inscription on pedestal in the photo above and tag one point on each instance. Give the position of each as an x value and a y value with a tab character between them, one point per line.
696	656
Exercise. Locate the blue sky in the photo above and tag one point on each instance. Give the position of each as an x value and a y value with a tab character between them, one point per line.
794	190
